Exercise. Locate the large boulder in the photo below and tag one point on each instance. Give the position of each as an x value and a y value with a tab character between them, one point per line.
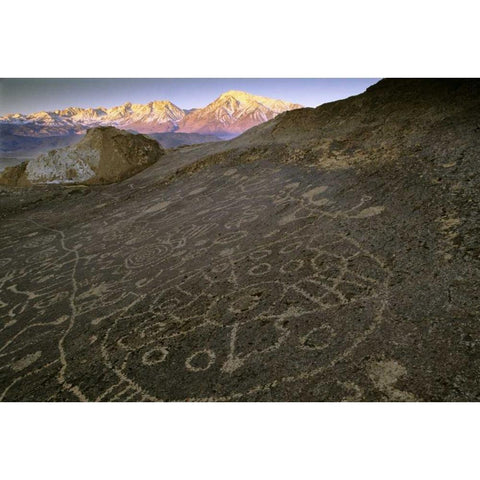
104	155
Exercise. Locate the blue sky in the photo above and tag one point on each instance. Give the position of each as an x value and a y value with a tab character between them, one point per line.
29	95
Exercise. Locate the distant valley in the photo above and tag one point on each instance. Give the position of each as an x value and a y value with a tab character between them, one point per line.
25	147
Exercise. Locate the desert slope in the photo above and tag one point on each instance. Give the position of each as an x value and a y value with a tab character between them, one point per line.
329	254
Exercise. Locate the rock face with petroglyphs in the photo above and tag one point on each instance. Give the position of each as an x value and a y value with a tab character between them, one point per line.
104	155
330	254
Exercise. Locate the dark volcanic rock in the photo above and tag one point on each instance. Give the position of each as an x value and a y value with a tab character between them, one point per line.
330	254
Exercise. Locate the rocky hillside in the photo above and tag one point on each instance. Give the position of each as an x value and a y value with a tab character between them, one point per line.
104	155
393	117
330	254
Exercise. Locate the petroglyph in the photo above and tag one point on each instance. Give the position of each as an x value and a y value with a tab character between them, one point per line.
134	307
385	374
158	207
26	361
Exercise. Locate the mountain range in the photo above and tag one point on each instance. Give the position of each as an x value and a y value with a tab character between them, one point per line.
229	115
233	113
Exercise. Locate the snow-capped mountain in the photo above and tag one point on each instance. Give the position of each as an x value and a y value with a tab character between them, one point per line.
230	114
158	116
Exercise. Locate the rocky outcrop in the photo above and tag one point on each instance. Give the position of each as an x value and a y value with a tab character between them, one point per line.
15	176
104	155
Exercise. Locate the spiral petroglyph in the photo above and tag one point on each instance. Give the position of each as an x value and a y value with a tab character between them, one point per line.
147	255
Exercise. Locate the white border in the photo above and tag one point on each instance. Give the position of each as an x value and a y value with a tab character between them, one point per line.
252	38
248	39
239	441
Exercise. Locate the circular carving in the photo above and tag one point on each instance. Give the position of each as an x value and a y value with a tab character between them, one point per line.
147	255
318	338
200	361
259	270
154	356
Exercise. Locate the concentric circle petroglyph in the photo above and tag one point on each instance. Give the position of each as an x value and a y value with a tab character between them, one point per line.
146	255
